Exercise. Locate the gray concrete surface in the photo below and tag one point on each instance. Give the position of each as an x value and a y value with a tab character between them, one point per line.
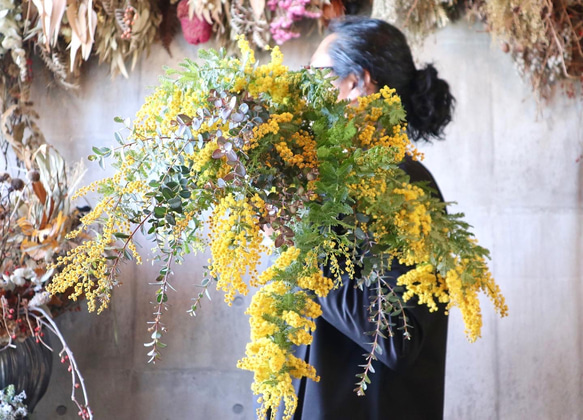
512	169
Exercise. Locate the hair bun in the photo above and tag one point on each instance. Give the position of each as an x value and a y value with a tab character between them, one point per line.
430	104
424	78
381	49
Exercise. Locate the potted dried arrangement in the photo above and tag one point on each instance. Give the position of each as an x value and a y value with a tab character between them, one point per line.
35	217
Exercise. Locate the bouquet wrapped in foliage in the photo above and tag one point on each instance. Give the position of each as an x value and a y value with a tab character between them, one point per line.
222	150
35	217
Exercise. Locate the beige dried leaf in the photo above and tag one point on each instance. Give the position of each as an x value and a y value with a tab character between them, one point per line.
83	21
121	66
209	10
50	14
142	21
58	11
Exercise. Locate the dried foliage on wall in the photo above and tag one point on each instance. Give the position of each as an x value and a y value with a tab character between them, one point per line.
65	33
544	37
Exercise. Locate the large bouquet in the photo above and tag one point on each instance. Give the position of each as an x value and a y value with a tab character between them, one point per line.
226	149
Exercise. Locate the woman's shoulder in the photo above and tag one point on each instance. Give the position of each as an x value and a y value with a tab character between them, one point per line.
419	173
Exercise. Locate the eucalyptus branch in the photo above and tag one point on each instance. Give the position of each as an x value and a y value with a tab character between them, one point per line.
381	308
205	284
381	322
400	310
126	243
157	327
142	138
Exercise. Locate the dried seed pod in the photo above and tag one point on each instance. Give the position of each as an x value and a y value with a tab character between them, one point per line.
17	184
34	176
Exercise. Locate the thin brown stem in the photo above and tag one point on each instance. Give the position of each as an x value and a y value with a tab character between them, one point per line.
76	378
413	6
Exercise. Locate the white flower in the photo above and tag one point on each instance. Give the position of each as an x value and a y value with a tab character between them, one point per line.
11	405
20	275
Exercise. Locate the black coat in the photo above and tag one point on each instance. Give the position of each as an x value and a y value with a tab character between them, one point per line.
408	383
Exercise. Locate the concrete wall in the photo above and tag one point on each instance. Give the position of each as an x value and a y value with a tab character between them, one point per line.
513	170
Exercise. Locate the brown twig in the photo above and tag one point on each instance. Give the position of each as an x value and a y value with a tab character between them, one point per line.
413	6
76	378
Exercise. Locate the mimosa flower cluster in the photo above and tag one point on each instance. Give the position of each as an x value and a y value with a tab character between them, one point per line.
227	149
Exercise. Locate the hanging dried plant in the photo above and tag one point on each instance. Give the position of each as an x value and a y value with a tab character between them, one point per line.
247	21
50	15
126	33
212	11
11	35
57	64
285	14
418	18
18	128
543	37
195	30
333	10
57	25
169	25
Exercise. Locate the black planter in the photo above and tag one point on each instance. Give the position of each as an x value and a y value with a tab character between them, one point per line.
28	367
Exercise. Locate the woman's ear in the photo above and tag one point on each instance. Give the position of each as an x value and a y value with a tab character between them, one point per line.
355	87
368	85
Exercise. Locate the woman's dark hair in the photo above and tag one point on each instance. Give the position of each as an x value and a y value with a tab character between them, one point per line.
374	45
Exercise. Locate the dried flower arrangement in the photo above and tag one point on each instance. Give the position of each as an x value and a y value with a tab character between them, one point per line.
545	39
119	32
35	209
35	217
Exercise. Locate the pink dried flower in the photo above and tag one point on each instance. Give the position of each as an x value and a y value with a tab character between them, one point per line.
195	30
289	11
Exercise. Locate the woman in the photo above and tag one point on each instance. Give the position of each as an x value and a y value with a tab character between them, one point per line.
408	383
